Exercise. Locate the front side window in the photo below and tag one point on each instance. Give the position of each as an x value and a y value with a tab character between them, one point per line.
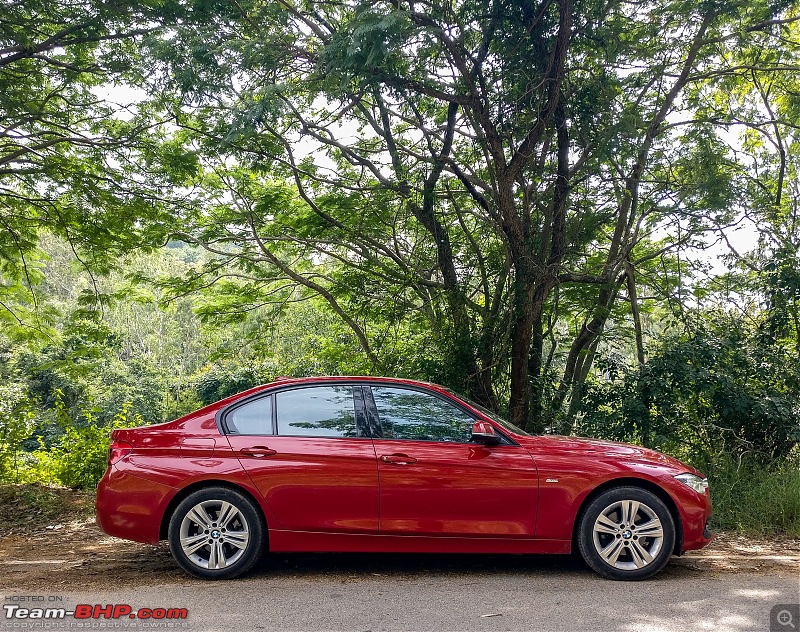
410	414
316	411
252	418
491	415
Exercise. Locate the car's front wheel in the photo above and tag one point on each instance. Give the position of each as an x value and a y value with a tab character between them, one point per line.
626	533
216	533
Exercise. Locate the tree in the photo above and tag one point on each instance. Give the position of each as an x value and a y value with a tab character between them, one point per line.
461	162
760	88
67	152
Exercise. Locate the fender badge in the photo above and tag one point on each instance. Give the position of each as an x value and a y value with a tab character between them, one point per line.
551	480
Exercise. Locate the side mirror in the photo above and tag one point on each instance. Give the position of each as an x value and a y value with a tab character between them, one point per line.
484	432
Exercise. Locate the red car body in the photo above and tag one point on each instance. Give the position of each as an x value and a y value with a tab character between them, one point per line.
387	495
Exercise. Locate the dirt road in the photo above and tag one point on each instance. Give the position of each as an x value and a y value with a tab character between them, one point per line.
730	586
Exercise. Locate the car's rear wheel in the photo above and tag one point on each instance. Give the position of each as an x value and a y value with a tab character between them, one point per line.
216	533
626	533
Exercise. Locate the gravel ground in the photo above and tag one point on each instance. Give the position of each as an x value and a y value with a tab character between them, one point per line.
77	553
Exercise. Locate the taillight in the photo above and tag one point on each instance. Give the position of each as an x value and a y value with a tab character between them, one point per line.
117	450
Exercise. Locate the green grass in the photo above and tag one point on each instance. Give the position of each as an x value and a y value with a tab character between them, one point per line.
754	498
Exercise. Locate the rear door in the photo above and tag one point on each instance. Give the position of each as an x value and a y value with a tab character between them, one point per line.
434	481
309	453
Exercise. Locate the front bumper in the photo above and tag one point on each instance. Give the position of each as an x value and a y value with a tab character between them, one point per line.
696	516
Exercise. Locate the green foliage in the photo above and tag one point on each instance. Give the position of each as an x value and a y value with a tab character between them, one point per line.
65	150
16	423
782	281
84	373
80	456
217	382
300	340
372	42
720	389
77	458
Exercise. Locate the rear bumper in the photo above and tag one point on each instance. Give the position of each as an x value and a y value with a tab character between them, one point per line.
131	507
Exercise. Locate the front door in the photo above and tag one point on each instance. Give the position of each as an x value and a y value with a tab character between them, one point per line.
434	481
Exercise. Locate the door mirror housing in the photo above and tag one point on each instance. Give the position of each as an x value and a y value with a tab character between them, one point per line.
484	432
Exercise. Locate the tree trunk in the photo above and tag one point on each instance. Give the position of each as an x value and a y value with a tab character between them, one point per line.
582	370
637	318
520	349
535	376
580	357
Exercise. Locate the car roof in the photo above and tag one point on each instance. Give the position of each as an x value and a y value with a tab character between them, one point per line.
339	378
321	379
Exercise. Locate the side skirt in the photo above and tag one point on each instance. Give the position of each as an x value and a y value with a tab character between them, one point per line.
313	541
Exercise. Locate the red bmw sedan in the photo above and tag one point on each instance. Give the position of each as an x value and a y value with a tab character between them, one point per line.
390	465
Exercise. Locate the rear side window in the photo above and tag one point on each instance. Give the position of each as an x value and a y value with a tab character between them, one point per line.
252	418
317	411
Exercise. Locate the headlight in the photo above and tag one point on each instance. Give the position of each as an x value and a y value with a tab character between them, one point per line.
700	485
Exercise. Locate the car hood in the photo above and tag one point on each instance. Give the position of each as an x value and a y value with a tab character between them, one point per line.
596	448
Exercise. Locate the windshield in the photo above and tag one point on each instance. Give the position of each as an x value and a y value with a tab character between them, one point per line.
493	416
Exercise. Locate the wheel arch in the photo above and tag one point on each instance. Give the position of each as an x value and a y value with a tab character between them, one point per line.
642	483
198	485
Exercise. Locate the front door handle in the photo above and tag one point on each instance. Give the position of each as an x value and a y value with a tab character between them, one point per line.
258	451
398	459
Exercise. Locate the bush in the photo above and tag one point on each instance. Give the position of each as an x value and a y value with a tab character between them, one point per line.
216	382
725	388
76	459
80	456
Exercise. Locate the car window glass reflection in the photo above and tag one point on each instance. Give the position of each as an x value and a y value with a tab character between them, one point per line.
324	411
408	414
253	418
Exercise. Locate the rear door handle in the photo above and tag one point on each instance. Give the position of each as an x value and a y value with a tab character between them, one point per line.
398	459
258	451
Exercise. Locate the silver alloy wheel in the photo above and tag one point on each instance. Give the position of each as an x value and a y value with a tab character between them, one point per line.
628	535
214	534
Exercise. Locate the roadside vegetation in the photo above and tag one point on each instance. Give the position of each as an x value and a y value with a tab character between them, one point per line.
584	216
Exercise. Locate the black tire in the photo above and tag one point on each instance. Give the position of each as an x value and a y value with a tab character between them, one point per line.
635	555
208	554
